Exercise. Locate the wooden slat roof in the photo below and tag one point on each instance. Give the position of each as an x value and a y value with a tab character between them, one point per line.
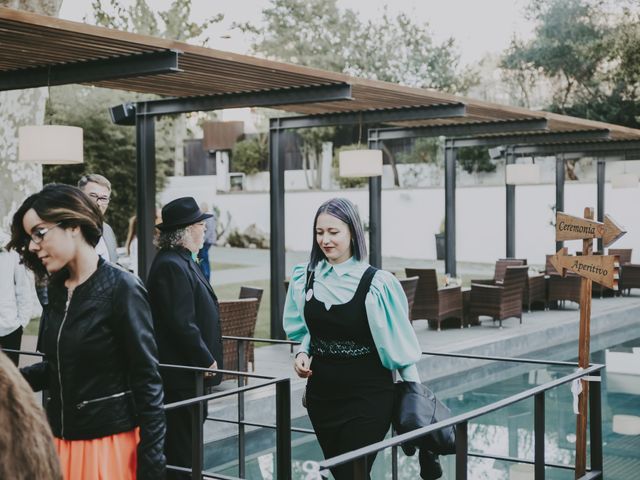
31	40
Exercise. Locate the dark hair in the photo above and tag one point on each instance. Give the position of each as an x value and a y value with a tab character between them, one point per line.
56	203
344	210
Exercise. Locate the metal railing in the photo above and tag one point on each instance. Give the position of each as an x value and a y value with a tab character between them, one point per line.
358	458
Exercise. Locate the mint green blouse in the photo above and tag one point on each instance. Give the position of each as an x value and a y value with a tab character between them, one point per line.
385	303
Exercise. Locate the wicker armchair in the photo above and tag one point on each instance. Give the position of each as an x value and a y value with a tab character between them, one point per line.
629	277
500	270
500	301
409	285
535	291
561	288
251	292
238	319
433	303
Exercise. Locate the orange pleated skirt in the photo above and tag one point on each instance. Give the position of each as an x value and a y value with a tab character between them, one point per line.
107	458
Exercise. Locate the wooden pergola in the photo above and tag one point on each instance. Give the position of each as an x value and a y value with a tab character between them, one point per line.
38	51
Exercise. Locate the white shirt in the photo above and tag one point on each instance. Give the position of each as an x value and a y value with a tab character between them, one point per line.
102	250
17	293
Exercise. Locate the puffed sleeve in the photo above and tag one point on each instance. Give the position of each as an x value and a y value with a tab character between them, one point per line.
388	314
293	319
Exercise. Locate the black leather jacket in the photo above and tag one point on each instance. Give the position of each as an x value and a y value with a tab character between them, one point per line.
101	363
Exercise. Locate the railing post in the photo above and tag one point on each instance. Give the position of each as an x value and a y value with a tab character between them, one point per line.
461	451
394	463
595	425
283	429
538	433
241	432
197	425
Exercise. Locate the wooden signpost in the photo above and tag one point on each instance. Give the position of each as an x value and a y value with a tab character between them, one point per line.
603	269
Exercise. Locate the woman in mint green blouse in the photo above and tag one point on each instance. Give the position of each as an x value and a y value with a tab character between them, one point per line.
352	322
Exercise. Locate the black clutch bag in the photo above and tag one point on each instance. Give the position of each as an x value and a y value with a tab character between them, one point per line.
415	406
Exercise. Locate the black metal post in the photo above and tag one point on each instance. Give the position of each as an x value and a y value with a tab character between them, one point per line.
595	425
461	451
283	429
394	463
241	432
146	189
600	204
559	190
197	427
538	432
510	208
277	252
450	207
375	214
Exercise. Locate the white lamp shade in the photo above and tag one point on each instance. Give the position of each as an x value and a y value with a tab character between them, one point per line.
523	174
50	144
360	163
624	180
626	424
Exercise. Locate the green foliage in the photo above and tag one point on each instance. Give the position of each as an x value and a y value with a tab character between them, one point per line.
475	160
317	33
590	50
173	23
348	182
424	150
250	155
108	149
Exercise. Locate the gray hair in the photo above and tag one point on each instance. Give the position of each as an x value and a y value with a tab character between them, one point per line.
95	178
170	239
344	210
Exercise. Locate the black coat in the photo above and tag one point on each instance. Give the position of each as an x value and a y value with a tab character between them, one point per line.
186	317
101	363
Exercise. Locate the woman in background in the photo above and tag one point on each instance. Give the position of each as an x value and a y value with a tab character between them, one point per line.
100	359
352	320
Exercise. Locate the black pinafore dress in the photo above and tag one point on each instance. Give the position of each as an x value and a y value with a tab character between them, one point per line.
350	393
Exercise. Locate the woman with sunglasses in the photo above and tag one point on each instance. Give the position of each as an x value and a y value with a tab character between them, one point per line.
100	365
352	320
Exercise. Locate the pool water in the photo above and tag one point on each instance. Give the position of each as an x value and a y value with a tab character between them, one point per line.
507	432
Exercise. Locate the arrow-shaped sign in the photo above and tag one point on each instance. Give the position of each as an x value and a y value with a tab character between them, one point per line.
569	227
612	231
602	269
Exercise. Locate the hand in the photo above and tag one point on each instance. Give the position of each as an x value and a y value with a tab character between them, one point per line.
211	374
302	365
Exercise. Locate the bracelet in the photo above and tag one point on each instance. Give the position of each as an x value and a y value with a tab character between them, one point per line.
296	355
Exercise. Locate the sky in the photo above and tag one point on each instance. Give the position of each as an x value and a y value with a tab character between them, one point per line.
479	27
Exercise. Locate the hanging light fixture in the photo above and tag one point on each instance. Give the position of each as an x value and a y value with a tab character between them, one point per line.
360	163
50	144
624	179
522	174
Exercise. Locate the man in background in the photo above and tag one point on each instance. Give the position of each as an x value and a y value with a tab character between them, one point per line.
210	238
99	190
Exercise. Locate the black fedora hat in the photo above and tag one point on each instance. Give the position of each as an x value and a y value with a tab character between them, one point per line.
181	212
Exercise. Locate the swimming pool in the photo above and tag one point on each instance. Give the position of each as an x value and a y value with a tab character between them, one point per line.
508	431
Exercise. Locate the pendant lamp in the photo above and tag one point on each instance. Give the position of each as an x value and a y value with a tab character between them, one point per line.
624	180
50	144
522	174
360	163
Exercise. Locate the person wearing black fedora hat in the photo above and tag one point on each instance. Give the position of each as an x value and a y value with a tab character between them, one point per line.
186	319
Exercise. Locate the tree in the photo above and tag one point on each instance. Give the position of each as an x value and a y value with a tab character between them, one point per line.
22	107
108	149
589	50
316	33
174	23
